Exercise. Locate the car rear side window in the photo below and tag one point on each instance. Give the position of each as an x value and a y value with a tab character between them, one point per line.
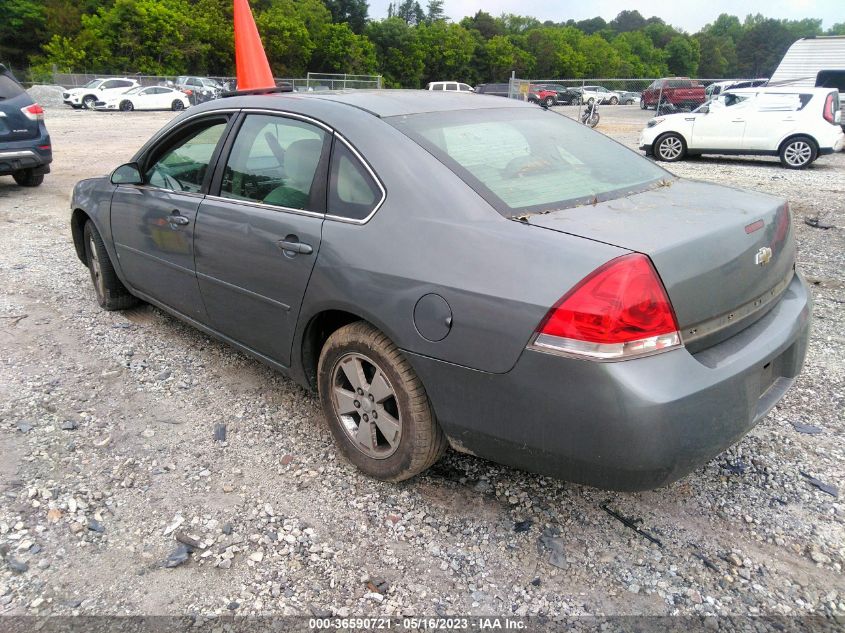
9	88
353	193
529	160
274	161
183	165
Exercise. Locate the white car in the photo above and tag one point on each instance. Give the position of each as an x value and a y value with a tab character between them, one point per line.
591	94
150	98
96	90
452	86
797	124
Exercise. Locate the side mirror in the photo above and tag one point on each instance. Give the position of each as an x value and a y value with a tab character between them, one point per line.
837	118
128	174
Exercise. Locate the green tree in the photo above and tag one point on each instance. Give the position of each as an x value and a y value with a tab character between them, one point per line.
718	56
344	51
501	57
762	46
449	51
486	25
627	21
682	55
398	51
21	30
353	12
409	11
434	11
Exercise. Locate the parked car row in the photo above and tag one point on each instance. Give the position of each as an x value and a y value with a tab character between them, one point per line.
128	94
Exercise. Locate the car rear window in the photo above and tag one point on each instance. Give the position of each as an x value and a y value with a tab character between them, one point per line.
523	160
831	79
9	88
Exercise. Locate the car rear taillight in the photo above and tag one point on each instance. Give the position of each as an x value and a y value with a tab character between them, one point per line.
829	110
33	112
618	311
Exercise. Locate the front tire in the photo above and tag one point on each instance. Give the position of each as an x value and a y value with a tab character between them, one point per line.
798	152
110	291
614	100
670	148
89	102
376	406
126	106
549	101
28	178
643	105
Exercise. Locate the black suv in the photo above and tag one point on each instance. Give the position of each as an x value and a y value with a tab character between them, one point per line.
25	150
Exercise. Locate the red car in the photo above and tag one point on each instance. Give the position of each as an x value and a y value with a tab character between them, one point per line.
542	94
681	92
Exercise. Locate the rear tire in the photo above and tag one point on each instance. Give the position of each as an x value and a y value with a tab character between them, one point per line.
670	148
177	105
406	439
28	178
614	101
798	152
643	105
110	291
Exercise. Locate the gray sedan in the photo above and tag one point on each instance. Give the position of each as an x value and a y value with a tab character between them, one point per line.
474	272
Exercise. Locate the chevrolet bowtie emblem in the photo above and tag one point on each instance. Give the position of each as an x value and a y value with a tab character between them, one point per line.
763	256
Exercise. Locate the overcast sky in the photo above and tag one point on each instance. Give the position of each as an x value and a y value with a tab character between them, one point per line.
689	15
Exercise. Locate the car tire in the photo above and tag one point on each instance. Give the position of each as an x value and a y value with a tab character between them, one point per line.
28	178
670	147
614	100
177	105
798	152
110	291
126	106
643	105
549	101
89	101
361	373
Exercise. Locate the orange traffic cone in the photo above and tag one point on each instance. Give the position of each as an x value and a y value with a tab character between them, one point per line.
253	70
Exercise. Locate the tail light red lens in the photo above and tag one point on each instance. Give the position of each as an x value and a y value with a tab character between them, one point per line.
33	112
829	113
619	311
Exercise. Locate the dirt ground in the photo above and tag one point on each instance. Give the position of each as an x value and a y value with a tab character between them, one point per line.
107	453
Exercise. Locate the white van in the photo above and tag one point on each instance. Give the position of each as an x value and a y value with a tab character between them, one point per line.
452	86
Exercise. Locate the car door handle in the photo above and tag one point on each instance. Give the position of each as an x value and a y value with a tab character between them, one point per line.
290	246
176	219
738	121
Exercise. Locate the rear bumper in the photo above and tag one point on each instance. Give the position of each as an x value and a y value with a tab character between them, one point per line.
631	425
26	155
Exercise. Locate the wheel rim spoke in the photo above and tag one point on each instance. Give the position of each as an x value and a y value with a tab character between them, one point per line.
354	372
344	401
388	425
380	389
364	436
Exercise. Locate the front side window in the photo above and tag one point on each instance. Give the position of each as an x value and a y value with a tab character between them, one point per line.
353	193
183	165
274	160
530	160
437	86
451	86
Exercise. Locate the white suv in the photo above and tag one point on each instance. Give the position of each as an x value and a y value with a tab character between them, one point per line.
797	124
590	94
97	90
452	86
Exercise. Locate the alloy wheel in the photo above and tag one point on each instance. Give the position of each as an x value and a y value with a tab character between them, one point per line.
671	148
366	404
797	153
96	269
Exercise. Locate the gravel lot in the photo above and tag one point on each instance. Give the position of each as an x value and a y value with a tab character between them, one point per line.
107	438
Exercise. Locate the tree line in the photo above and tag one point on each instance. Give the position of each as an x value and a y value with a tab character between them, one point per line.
410	47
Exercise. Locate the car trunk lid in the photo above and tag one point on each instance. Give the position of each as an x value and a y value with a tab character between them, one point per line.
723	254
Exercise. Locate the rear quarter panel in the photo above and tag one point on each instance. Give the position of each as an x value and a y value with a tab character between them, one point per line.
434	234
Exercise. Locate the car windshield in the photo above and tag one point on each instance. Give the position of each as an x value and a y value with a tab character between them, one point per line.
93	83
523	160
134	90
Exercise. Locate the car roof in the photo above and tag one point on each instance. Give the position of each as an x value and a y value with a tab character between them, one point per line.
380	103
781	90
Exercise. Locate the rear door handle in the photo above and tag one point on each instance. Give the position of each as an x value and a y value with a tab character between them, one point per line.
738	121
294	246
177	219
